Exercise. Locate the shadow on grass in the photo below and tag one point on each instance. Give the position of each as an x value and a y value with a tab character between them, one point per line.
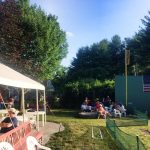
81	139
78	133
64	113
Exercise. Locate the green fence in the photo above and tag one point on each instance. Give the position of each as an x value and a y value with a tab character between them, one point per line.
122	139
136	96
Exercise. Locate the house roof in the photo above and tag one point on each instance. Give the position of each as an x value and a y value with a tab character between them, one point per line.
13	78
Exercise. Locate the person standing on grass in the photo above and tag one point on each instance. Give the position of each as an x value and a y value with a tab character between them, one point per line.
102	112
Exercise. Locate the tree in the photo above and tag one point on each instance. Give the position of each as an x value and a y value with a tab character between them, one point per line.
11	34
91	62
140	48
134	45
100	61
41	43
116	55
93	70
144	38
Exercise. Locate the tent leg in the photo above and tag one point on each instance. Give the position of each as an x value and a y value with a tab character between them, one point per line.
37	109
45	105
22	102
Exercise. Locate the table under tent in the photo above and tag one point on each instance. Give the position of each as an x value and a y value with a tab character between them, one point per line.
12	78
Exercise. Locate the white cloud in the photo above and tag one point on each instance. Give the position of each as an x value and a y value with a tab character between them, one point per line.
69	34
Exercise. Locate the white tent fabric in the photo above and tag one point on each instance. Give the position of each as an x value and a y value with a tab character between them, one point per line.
13	78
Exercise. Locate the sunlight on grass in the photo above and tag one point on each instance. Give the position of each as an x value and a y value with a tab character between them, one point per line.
78	133
141	132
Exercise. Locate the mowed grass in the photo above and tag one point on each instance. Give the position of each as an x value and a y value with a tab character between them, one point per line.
78	133
142	131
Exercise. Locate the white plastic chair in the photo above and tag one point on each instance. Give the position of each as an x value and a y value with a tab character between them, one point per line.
123	110
6	146
32	143
117	113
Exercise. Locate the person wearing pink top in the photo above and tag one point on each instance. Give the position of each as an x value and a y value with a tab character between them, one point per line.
102	112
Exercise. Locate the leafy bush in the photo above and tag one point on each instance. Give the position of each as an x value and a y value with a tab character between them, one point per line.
76	91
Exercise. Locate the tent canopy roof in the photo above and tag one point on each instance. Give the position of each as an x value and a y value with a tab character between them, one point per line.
11	77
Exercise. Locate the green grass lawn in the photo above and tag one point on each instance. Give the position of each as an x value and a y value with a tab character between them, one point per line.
141	131
78	133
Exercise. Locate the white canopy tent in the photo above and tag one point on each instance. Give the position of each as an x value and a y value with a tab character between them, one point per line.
13	78
10	77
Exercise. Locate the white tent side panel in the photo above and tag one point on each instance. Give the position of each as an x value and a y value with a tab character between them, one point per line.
11	77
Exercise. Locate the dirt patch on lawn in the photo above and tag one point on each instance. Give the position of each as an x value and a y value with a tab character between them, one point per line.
146	132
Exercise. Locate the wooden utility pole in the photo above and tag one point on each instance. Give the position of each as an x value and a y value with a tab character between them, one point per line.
127	62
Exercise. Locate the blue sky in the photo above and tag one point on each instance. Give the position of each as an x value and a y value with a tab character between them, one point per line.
89	21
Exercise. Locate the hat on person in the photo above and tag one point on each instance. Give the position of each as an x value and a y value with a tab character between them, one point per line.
13	110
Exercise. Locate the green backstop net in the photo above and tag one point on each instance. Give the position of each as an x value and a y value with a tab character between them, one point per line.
122	139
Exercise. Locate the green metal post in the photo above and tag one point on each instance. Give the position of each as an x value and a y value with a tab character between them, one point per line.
137	140
114	129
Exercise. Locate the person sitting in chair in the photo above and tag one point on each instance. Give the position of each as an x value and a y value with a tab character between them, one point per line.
9	122
10	102
121	108
86	105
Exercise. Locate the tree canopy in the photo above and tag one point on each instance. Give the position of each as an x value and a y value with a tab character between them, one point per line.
99	61
30	40
139	45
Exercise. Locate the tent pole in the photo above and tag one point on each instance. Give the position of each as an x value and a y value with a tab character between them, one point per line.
22	101
37	109
45	105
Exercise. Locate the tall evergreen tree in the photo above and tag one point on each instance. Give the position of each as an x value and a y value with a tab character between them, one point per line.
101	60
144	37
117	55
140	48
